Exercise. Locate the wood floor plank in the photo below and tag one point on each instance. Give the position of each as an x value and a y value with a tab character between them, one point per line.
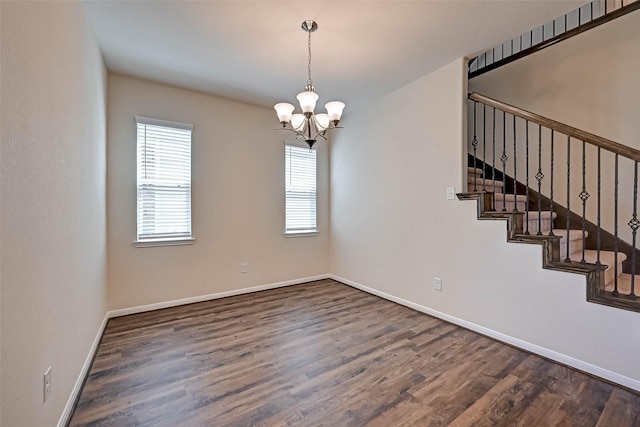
325	354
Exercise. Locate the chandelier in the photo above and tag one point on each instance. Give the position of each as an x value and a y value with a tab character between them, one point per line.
308	125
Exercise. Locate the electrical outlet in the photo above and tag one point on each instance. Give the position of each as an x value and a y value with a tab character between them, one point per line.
451	193
437	283
244	267
47	384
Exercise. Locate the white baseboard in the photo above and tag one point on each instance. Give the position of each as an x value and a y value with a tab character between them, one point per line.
217	295
533	348
77	387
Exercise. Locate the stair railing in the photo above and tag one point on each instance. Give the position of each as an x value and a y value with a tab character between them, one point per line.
526	140
569	25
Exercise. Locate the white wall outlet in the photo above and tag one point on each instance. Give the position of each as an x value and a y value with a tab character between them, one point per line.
437	283
47	384
244	267
451	193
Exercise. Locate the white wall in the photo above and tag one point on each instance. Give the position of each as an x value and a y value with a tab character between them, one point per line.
589	82
238	200
53	231
394	231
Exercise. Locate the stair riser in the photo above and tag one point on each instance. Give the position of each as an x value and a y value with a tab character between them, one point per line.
510	205
545	224
488	185
574	246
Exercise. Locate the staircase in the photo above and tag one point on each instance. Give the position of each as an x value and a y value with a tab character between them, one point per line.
545	225
513	175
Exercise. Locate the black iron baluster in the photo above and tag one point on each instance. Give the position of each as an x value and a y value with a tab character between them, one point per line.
565	23
504	159
493	164
539	176
591	4
526	206
579	16
515	169
484	147
474	143
615	230
568	258
551	185
599	212
634	224
584	195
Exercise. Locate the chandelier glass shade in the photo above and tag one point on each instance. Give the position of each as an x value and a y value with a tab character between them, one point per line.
308	125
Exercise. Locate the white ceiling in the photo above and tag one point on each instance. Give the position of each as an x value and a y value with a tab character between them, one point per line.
255	51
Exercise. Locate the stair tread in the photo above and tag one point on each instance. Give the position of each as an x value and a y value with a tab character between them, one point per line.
484	183
510	197
573	234
544	215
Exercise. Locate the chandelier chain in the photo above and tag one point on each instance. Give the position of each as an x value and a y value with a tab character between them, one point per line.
309	81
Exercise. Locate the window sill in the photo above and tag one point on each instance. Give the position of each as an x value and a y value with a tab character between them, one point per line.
301	233
169	242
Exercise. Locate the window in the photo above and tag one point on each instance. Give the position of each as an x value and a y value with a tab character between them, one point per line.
164	182
300	190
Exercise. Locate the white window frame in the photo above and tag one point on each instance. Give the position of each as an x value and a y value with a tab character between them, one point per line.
312	229
162	239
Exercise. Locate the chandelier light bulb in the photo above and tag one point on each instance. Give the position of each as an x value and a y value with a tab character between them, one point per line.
334	109
307	101
284	111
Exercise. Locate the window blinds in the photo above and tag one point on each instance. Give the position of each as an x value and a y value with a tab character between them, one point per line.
164	180
300	189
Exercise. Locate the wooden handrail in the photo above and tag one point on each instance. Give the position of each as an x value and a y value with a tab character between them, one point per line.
589	138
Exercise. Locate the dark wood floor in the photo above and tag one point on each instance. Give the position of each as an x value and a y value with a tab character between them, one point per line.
324	354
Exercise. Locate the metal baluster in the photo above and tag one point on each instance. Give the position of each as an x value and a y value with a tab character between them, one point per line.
568	258
526	206
565	23
515	169
584	195
615	230
504	159
493	164
539	176
579	16
591	4
484	147
634	224
474	143
551	184
599	212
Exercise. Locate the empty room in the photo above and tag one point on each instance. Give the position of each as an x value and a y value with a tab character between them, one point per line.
319	213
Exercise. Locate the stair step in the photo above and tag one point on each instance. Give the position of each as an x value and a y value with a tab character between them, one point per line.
624	284
546	222
606	258
508	202
474	171
486	184
575	241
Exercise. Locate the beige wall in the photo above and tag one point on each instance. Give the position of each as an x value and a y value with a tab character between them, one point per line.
53	231
590	82
238	200
394	231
